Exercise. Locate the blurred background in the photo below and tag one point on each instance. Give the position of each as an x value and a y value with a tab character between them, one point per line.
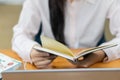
9	14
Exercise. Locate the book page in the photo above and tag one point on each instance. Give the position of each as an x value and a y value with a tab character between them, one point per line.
55	46
90	50
53	52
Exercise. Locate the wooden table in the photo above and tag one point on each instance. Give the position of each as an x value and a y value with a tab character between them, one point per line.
60	62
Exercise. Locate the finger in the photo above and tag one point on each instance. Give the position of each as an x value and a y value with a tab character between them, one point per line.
52	57
43	54
42	63
39	59
39	54
36	59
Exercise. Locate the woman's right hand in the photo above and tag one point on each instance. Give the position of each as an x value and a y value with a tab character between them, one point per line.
41	59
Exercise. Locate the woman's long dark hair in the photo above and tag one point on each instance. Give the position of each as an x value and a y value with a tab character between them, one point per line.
57	21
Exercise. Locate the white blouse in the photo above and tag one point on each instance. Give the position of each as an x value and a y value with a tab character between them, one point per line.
84	25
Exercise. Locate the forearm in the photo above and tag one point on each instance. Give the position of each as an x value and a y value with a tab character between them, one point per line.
23	46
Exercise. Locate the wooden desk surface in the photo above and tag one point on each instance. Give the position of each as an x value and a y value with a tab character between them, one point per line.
60	62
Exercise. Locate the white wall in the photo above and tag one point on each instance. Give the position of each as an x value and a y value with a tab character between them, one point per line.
11	1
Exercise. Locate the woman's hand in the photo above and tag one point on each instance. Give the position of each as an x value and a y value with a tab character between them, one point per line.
91	59
41	59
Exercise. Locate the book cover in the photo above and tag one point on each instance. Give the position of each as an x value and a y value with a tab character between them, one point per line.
8	64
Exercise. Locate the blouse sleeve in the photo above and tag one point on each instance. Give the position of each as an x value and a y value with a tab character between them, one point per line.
114	18
26	29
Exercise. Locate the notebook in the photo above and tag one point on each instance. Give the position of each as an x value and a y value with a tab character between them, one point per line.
64	74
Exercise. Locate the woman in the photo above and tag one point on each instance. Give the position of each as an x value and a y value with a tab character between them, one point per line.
76	23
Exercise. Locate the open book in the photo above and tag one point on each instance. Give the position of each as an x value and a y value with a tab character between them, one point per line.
54	47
